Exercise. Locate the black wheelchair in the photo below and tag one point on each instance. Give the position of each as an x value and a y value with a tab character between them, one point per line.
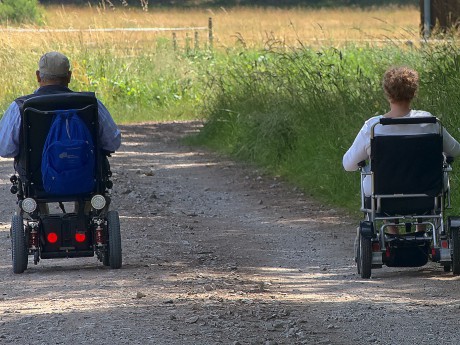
90	228
409	192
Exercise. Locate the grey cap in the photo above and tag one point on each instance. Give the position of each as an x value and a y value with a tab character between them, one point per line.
54	64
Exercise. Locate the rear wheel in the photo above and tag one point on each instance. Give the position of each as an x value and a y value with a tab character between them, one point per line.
105	258
18	245
455	244
357	252
364	257
114	246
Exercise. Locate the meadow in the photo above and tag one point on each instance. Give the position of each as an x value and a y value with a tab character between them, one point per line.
141	77
287	89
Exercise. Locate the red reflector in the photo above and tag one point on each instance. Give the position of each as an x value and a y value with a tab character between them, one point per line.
376	247
52	237
444	244
80	237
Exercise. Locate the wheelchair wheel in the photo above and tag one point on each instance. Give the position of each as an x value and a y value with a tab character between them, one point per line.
114	247
454	234
18	245
105	259
364	256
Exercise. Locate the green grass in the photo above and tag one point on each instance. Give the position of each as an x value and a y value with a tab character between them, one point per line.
155	84
160	86
297	112
294	112
20	11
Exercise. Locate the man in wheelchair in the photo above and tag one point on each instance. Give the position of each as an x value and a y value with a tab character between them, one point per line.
405	186
60	141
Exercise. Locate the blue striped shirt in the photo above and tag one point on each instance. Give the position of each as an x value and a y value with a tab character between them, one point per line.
10	127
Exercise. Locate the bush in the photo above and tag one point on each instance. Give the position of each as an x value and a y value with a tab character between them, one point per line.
20	11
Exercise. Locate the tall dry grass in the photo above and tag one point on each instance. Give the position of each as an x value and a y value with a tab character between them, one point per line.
250	26
157	82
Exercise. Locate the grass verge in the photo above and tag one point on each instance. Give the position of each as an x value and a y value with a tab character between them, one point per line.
297	112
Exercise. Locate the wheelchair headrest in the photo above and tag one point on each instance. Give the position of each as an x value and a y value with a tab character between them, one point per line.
408	120
61	101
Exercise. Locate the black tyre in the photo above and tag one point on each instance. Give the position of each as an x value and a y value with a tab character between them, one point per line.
357	253
18	245
114	244
105	258
455	244
365	257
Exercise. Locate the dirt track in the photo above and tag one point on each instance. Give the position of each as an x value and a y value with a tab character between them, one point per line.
218	253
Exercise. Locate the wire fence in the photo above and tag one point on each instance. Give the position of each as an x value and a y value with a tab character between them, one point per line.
186	38
104	30
180	36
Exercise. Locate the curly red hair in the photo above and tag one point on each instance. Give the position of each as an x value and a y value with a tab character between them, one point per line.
400	84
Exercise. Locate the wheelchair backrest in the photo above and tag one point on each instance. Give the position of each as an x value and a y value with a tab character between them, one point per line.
37	116
407	164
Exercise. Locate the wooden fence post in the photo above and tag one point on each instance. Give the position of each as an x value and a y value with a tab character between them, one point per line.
210	34
196	44
174	41
187	43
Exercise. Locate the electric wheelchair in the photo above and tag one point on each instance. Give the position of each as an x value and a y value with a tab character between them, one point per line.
43	233
409	192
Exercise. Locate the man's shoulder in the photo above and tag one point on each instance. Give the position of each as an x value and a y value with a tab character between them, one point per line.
12	110
20	100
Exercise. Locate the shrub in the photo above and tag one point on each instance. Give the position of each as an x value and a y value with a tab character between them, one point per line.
20	11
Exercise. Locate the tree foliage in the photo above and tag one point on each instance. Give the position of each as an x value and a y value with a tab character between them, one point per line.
20	11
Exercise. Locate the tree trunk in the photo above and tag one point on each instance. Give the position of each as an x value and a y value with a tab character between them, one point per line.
445	14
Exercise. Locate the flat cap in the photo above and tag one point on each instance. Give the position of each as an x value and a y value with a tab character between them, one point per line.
54	64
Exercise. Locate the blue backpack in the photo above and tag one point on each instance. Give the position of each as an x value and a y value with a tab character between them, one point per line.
68	160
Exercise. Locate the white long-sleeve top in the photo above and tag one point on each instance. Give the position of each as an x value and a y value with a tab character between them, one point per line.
360	150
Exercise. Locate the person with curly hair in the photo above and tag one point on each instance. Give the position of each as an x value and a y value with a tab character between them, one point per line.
400	85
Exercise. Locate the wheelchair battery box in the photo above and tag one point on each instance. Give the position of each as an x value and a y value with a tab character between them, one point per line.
65	233
404	253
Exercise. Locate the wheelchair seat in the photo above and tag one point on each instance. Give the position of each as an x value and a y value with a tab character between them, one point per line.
91	229
409	191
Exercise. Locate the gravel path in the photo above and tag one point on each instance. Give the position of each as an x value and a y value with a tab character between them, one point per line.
215	252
